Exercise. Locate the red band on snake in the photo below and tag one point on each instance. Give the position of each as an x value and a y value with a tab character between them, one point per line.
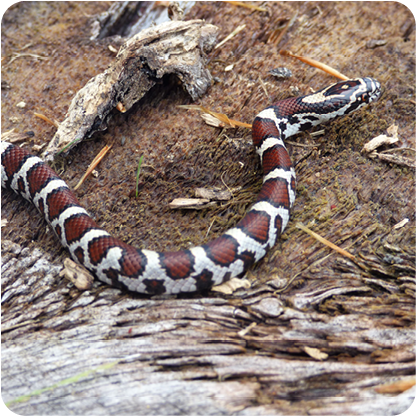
201	267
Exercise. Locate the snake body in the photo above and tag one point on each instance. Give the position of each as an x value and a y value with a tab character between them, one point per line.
201	267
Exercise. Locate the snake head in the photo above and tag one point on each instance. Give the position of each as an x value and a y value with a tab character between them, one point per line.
350	95
372	90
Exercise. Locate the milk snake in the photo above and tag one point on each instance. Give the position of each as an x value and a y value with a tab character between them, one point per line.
201	267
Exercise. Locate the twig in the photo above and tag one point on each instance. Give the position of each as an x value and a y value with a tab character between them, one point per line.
399	160
399	150
263	86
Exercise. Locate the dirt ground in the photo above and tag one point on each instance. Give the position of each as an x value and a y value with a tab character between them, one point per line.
316	333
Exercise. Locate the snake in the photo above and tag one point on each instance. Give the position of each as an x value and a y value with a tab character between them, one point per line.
202	267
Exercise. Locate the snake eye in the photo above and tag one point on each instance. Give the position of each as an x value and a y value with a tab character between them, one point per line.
365	97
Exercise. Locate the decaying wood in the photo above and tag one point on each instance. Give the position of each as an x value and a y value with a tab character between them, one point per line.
170	48
394	159
390	139
381	140
116	16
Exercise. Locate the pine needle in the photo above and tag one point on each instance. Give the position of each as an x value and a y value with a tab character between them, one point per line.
47	119
316	64
247	5
230	36
325	241
93	165
222	119
276	37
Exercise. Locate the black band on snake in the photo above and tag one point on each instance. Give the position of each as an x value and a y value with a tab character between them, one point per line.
201	267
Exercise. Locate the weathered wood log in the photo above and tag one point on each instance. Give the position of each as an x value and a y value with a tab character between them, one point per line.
170	48
159	356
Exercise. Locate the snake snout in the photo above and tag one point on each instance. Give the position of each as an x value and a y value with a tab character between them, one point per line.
374	89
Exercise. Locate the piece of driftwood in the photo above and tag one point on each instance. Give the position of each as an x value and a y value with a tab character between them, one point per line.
170	48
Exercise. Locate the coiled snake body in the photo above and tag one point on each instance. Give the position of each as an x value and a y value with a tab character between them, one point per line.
201	267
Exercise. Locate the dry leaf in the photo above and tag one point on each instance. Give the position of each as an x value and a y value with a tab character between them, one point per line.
77	274
224	195
315	353
229	287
